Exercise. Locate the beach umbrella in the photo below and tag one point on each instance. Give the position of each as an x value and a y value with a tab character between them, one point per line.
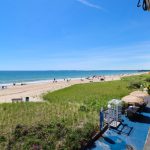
141	94
133	100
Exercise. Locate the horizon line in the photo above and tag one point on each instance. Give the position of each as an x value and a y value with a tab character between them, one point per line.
84	70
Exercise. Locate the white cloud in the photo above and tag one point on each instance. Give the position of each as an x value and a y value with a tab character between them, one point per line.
89	4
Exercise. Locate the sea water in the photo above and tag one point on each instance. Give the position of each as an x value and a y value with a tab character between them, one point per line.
9	77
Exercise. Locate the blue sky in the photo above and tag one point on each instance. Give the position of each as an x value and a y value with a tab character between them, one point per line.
73	34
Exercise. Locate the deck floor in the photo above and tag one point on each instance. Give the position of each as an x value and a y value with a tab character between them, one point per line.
147	143
131	134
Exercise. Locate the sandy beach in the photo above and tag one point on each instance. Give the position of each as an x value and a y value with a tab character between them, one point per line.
35	90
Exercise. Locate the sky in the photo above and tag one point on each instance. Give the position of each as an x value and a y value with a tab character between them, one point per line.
73	35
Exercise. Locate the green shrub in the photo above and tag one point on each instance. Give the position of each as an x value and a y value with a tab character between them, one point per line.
20	131
147	79
33	144
148	88
2	139
83	108
77	136
135	85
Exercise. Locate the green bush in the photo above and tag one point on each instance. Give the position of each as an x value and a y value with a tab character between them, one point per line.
148	88
2	139
79	135
49	137
147	79
40	136
135	85
83	108
20	131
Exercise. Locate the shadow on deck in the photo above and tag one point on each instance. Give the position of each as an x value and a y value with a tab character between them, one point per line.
123	129
146	110
141	119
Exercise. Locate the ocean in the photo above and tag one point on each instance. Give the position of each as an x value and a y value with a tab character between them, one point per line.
9	77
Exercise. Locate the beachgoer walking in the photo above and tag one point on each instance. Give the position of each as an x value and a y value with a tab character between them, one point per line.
54	80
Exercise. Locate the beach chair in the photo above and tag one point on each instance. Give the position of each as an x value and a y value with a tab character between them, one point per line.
17	100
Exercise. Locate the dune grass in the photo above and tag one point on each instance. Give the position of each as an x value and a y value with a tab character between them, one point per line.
64	120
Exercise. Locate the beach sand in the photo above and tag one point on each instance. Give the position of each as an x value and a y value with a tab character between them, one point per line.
35	90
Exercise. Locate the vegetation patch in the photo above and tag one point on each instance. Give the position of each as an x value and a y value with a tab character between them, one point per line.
147	79
2	139
65	121
135	85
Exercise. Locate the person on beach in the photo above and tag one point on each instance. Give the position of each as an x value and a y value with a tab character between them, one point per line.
82	79
102	78
88	78
68	80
